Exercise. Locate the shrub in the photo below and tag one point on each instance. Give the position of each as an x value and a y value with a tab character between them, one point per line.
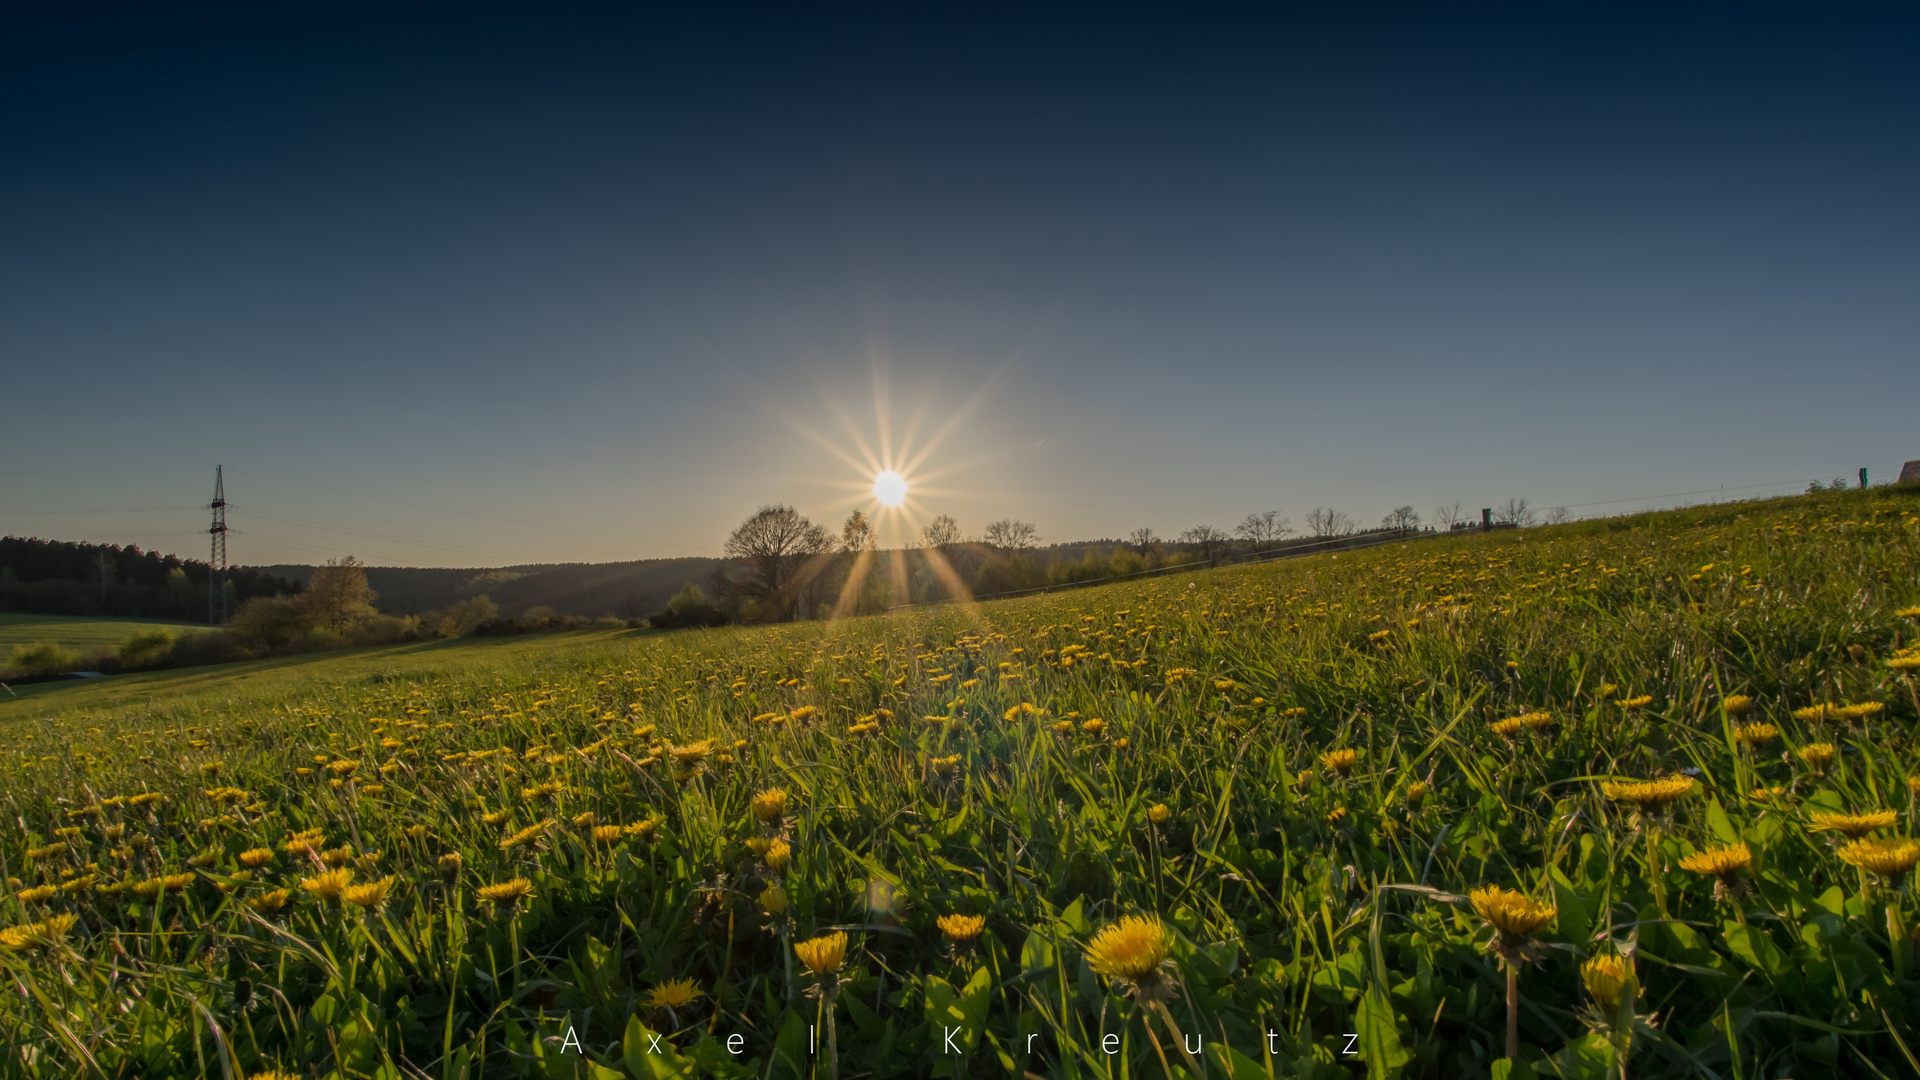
205	647
43	658
149	648
689	607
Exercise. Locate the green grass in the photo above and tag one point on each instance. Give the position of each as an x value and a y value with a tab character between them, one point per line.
946	761
76	631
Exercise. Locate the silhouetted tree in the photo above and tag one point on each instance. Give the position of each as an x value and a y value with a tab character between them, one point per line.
1008	534
1210	543
1325	522
1263	529
778	548
338	594
1401	518
1142	539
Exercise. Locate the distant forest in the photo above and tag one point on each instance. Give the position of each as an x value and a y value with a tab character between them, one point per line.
624	590
58	577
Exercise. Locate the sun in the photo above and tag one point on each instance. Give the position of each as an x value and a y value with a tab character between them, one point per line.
890	488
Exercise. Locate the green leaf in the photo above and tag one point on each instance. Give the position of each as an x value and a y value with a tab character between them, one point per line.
1721	824
1576	917
1756	949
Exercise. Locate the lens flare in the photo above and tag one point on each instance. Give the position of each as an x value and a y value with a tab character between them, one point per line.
890	488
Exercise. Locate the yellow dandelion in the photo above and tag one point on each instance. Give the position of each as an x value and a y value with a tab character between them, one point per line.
962	929
1818	756
823	955
256	857
1720	862
1752	735
370	896
607	834
770	805
1649	794
1340	761
268	903
1130	950
331	885
1508	728
1890	859
674	994
1607	977
39	894
1640	702
774	899
1852	826
1159	814
777	856
1513	914
507	892
1737	704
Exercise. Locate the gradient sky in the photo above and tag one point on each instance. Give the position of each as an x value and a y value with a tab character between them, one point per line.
467	286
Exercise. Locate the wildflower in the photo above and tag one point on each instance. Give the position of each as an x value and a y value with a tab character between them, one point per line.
1340	761
1606	691
1092	726
1416	794
607	834
1513	914
39	894
256	857
1755	735
528	836
1818	755
1508	728
1640	702
777	856
337	858
674	994
331	885
962	929
1863	711
804	713
1737	704
268	903
770	805
1889	859
508	892
774	899
1723	864
449	865
1536	720
646	830
945	766
1131	951
1338	817
1607	977
370	896
1813	714
1852	826
1159	814
1649	794
823	955
234	880
203	860
581	821
1769	794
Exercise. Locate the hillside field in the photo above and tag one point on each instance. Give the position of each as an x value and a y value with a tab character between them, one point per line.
1630	797
77	631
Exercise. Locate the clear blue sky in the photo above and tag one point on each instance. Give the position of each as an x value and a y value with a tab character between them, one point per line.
472	286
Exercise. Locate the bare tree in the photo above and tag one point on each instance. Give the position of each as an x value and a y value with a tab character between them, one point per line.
1401	519
1517	512
1559	515
857	534
1210	542
941	532
1449	514
1325	521
777	544
1142	539
1008	534
1263	529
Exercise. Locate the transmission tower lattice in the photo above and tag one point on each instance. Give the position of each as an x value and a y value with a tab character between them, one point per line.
217	577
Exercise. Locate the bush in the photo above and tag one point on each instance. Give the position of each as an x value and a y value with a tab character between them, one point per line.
382	630
266	623
689	608
205	647
149	648
43	658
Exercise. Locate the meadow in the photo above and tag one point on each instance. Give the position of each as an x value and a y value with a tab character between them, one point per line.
78	631
1620	798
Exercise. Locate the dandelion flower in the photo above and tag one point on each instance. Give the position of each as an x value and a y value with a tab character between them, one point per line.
1723	864
1852	826
1340	761
1818	756
1890	859
1649	794
1131	951
674	994
1737	704
449	865
1509	728
962	929
607	834
774	899
1607	977
331	885
777	856
1754	735
256	857
370	896
770	805
1640	702
823	955
39	894
1159	814
268	903
1513	914
507	892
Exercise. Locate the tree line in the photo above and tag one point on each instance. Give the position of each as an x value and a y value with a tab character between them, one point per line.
780	565
60	577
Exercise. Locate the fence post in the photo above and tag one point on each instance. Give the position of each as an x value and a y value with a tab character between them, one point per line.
1863	479
1486	517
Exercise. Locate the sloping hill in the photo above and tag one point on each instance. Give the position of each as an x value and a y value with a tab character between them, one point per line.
629	590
